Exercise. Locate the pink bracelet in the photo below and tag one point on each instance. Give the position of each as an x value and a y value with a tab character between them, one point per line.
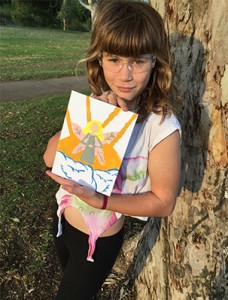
105	202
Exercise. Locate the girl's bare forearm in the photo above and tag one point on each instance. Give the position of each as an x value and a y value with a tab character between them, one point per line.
50	152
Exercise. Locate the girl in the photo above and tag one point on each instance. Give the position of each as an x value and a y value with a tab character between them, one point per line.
128	64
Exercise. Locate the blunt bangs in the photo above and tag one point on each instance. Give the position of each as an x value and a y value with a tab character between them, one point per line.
129	34
129	42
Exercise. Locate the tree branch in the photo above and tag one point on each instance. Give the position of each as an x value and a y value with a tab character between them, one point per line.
83	4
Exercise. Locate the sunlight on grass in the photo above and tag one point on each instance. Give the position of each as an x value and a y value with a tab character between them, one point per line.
40	53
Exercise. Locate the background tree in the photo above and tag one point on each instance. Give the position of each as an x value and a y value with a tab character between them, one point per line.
74	16
36	13
184	256
5	15
91	5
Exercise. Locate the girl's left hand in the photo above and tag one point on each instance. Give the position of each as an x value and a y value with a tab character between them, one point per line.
86	194
113	99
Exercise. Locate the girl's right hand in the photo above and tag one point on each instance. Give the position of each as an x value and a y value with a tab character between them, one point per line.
85	193
111	98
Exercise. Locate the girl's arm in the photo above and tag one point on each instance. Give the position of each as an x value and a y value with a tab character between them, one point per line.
49	154
164	172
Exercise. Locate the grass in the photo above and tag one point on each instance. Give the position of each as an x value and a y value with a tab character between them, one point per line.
40	53
27	198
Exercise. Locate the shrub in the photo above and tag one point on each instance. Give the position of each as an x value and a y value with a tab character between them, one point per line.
35	13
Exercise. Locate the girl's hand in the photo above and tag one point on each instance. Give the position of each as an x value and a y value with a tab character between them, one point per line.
86	194
113	99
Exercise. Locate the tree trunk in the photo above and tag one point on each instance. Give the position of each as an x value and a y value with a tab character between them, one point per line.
92	5
188	259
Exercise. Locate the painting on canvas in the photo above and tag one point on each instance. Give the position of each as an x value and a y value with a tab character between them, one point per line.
93	141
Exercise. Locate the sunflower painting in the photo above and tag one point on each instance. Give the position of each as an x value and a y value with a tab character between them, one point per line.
93	141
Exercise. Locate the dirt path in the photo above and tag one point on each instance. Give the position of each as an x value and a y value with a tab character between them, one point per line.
30	89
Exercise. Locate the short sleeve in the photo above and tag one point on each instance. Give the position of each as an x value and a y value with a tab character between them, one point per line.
159	131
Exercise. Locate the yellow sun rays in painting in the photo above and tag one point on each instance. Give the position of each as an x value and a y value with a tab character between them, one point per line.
90	144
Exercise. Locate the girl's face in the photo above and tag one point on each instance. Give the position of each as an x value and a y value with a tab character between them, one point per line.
127	77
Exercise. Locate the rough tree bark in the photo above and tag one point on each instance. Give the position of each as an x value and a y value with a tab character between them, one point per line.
184	256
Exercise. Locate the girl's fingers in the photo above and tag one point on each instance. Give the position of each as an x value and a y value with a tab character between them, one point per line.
71	186
61	180
117	101
103	98
114	100
122	104
86	194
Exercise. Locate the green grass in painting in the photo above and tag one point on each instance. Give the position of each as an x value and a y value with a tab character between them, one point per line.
40	53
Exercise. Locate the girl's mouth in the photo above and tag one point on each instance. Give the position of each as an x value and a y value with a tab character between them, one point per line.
124	89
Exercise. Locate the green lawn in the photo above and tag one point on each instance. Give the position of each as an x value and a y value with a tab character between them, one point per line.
27	198
40	53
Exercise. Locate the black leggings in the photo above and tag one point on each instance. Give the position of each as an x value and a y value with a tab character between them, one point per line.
83	279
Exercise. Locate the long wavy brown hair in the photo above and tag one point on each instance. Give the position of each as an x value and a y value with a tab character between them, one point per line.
131	29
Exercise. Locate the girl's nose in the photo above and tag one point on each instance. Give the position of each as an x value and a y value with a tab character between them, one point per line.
125	72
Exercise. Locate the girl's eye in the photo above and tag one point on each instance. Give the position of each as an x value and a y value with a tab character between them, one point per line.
113	60
139	61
